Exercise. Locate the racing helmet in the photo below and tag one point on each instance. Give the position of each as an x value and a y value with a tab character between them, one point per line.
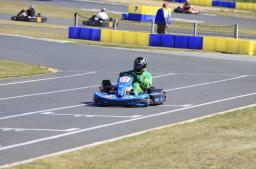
140	64
103	10
31	6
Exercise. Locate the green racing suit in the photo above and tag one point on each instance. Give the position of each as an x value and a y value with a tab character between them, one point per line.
141	81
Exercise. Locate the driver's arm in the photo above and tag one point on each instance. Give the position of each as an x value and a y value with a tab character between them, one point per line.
145	80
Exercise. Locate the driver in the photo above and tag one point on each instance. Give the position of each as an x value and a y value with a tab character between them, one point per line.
142	79
102	15
31	12
187	6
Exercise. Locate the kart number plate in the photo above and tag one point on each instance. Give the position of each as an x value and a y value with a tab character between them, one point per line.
125	79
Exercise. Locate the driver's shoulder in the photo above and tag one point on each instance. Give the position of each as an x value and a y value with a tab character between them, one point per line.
147	73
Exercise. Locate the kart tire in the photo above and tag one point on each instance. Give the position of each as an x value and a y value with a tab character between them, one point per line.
14	18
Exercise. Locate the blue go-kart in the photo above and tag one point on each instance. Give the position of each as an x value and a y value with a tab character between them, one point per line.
117	95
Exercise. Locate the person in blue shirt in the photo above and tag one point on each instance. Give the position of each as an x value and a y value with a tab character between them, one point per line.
161	19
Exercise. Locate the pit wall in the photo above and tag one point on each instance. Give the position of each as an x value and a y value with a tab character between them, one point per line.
205	43
221	3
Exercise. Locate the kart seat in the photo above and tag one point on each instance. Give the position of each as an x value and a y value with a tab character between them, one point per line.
106	85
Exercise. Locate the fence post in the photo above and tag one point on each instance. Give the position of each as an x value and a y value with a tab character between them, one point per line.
153	26
195	28
75	19
115	22
236	31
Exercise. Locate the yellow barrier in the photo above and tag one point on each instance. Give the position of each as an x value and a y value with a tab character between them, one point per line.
250	6
117	36
209	43
242	5
105	35
246	47
254	47
254	6
233	46
138	9
196	2
144	10
130	38
221	44
142	39
125	37
205	2
150	10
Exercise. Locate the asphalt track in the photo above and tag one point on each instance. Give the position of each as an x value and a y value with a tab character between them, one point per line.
46	114
95	4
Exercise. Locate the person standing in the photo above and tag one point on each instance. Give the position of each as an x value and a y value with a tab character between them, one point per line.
161	19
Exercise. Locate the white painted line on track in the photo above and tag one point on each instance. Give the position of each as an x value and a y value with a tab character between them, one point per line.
99	2
88	115
91	9
79	105
81	88
169	74
65	90
187	20
44	79
41	111
45	93
123	122
208	14
122	137
173	105
34	38
32	129
207	83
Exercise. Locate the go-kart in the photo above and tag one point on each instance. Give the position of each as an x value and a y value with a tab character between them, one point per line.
181	10
36	18
117	95
100	23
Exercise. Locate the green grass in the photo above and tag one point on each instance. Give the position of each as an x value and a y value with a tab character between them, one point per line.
224	141
253	1
16	69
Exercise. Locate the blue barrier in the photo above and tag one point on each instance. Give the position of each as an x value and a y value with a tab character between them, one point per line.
86	33
96	34
74	32
180	1
155	39
195	42
168	41
229	4
148	18
135	17
217	3
181	41
125	16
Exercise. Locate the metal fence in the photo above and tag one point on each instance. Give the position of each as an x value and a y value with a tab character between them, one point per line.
176	27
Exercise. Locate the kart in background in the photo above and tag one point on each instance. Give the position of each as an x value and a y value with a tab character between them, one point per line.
38	18
181	10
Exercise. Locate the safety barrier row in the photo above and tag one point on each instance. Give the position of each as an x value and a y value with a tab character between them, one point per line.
207	43
141	13
221	3
228	45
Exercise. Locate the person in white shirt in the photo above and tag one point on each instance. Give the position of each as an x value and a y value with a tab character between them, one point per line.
102	15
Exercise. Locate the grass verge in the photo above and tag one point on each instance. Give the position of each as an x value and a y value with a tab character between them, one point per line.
221	141
16	69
